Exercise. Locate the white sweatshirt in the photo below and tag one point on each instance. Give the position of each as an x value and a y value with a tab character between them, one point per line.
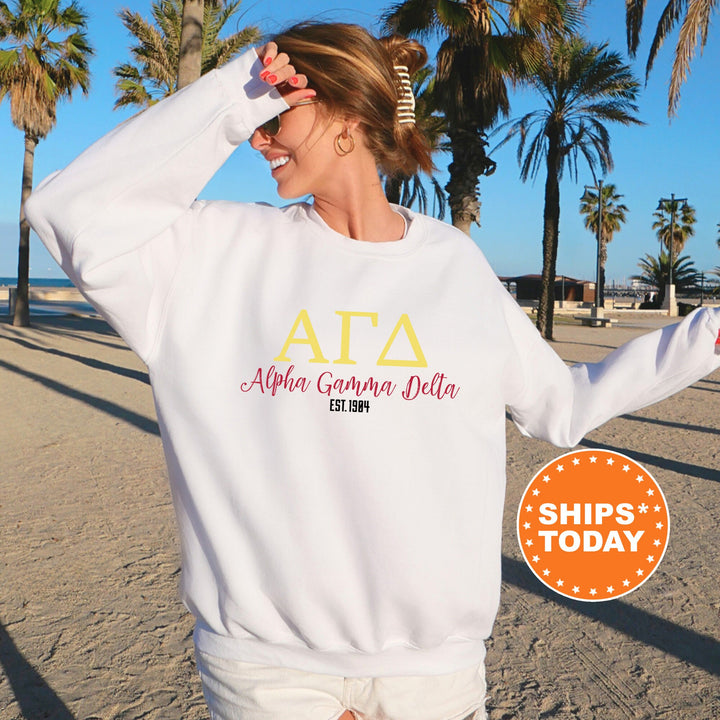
332	411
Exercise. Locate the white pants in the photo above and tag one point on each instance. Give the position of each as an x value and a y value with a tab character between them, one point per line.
244	691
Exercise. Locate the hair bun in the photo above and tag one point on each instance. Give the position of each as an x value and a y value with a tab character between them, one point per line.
405	51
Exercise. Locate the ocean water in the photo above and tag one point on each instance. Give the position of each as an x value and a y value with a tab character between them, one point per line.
37	282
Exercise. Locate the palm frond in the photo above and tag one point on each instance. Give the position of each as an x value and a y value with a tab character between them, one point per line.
668	20
417	18
693	31
45	60
155	54
634	11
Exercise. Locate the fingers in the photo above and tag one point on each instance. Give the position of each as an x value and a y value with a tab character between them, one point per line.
267	53
279	72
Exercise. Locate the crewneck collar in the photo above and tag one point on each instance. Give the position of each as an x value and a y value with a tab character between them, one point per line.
412	240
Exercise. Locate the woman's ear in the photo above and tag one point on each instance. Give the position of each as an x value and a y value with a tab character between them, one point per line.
350	124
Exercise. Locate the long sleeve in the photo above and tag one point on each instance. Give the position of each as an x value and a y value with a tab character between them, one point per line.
117	218
561	404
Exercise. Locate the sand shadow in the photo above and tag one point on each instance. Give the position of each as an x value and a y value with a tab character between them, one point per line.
87	329
141	422
84	360
33	694
682	468
669	423
706	389
584	344
702	651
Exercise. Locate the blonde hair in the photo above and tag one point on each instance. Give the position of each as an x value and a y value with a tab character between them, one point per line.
353	74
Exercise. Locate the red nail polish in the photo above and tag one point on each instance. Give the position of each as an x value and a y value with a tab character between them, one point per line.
267	60
272	79
294	80
264	74
717	342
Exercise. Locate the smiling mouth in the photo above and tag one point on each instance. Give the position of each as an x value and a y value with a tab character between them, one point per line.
275	163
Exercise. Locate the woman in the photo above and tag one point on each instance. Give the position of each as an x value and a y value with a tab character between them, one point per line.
332	391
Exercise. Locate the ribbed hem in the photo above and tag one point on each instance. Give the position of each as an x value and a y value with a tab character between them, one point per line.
451	656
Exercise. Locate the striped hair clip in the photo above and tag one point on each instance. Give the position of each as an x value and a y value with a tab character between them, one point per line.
406	101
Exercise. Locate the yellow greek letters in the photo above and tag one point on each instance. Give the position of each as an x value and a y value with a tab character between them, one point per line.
404	322
344	358
310	338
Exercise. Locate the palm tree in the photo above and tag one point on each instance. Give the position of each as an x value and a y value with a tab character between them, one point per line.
656	273
485	44
584	86
718	237
43	58
614	213
153	74
693	30
684	224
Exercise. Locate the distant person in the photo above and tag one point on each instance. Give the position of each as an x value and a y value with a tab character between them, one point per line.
330	379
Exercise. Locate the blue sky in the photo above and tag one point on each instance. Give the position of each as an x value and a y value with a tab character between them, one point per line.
653	161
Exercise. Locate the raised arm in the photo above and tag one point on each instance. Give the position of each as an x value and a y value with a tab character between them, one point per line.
561	404
117	218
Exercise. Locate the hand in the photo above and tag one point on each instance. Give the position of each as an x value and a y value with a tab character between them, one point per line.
279	73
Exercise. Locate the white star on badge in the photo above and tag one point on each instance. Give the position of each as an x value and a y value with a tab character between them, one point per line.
640	571
657	508
576	589
610	461
546	478
536	558
611	589
626	582
560	583
528	508
656	543
526	526
639	478
559	468
658	526
528	542
593	591
626	468
593	459
650	491
650	558
536	492
576	461
546	572
643	508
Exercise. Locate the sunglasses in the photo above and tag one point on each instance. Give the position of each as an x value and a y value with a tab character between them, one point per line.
272	126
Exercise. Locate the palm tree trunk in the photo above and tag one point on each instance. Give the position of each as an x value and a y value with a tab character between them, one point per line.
190	63
393	185
22	303
551	224
469	162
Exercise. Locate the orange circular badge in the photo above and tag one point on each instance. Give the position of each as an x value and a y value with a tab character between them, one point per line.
593	525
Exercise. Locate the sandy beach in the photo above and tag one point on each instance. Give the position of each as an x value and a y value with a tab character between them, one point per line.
91	627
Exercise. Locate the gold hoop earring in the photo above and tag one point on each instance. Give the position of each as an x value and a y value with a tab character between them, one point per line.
344	135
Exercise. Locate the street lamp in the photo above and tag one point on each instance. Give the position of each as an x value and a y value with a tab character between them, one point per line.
670	303
597	310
